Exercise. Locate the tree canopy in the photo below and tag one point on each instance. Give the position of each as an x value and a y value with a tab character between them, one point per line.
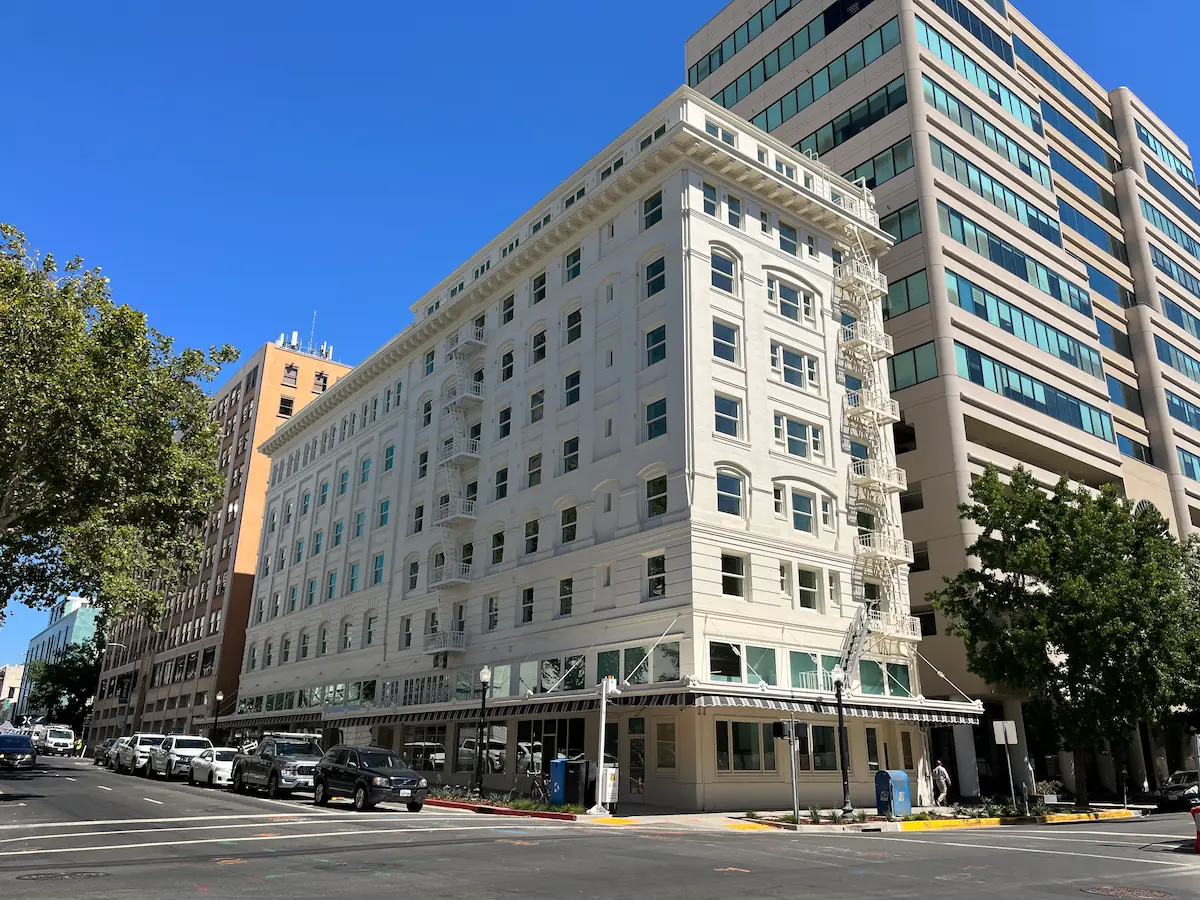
63	686
1079	600
108	462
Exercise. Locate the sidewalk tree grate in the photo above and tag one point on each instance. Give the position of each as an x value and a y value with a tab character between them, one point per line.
61	876
1135	893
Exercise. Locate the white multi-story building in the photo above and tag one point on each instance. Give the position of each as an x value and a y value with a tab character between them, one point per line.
645	432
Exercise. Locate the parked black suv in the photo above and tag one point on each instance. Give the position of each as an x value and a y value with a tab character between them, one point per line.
369	775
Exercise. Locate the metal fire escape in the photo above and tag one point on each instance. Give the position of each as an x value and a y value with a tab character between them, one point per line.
455	505
882	555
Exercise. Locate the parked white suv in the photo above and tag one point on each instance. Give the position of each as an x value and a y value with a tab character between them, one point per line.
174	755
135	753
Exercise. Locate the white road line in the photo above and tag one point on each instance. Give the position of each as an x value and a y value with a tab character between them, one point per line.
266	817
1114	834
104	833
278	837
69	778
102	787
981	846
148	800
1110	842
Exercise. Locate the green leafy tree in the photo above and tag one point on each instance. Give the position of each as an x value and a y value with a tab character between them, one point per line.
65	685
107	457
1080	600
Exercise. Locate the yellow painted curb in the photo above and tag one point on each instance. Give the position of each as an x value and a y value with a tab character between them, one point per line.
605	820
748	826
1057	818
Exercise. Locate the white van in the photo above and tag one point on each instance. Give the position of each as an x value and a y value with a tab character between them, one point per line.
54	740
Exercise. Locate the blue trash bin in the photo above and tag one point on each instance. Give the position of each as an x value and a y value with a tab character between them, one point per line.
558	781
892	796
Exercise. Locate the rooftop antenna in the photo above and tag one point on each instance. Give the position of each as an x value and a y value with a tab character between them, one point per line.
312	335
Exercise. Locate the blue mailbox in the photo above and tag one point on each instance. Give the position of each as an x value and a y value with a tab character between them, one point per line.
558	781
892	796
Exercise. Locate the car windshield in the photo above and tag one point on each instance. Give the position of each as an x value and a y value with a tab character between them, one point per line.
379	759
145	741
15	742
1182	778
192	743
61	733
297	748
225	755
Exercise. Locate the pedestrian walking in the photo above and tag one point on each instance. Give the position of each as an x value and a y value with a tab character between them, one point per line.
79	748
941	784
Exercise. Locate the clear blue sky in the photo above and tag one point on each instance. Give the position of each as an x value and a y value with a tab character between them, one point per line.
234	167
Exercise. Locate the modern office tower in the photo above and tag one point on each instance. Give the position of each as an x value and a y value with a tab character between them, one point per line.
1043	297
164	676
72	621
643	433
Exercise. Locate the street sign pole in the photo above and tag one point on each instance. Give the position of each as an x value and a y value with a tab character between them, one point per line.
794	745
1006	734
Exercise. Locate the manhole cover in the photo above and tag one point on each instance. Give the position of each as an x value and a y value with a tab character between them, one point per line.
60	876
1136	893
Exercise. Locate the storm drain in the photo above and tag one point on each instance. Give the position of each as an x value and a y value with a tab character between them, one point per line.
63	876
1136	893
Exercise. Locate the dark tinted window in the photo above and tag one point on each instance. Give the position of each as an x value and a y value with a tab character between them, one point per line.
379	759
15	742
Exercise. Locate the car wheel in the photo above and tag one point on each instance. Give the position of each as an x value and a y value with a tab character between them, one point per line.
362	800
320	798
415	807
191	776
239	786
273	787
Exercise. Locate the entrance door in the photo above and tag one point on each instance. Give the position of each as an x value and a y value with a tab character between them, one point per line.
634	777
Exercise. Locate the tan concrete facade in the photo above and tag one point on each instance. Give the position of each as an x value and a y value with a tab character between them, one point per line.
162	678
986	124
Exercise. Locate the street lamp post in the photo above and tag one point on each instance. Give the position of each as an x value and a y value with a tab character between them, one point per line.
839	680
217	712
485	678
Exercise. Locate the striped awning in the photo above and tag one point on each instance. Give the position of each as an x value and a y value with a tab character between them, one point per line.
256	721
922	715
732	700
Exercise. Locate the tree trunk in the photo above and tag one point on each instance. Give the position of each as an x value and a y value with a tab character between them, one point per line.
1081	786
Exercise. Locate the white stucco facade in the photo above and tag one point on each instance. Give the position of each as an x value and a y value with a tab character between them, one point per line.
649	421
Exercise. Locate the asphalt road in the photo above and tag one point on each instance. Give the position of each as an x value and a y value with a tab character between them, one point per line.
72	829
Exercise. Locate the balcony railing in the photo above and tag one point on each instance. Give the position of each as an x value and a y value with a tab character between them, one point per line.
454	509
464	389
878	545
450	574
458	449
874	473
856	273
471	336
444	641
872	403
868	339
893	625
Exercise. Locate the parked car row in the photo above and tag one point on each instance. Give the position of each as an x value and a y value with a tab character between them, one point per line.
281	763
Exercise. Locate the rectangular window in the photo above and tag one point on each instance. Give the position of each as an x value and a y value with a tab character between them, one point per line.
418	518
377	570
912	367
795	304
727	415
531	536
656	345
526	605
656	496
568	520
384	510
656	276
504	423
710	199
574	326
724	662
652	210
566	591
535	470
725	341
360	522
656	419
571	454
656	577
571	389
429	361
802	512
354	570
808	583
733	575
330	585
573	263
538	351
733	211
722	272
537	404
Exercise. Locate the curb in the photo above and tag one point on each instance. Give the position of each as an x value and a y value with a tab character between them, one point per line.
502	811
1053	819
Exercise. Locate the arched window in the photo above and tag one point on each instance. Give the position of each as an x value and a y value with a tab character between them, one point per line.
732	497
725	264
